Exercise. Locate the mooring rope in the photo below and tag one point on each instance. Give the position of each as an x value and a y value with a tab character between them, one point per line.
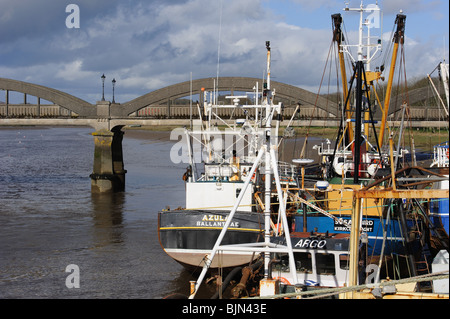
320	293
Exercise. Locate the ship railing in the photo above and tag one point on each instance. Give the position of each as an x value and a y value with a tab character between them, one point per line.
441	155
287	172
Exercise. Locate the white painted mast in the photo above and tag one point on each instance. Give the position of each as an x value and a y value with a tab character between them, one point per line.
373	20
443	72
267	151
444	77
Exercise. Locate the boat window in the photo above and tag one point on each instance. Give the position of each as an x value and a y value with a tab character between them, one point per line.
325	264
344	261
303	262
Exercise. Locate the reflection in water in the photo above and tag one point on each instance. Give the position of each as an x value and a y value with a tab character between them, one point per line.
108	217
49	219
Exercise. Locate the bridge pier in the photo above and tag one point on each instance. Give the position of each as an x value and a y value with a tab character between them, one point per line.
108	174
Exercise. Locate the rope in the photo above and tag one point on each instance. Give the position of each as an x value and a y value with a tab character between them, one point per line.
320	210
320	293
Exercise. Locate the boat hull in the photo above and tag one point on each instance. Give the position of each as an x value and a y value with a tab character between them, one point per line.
372	226
440	209
188	236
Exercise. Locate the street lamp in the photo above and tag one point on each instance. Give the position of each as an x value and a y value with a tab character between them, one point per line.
103	86
113	84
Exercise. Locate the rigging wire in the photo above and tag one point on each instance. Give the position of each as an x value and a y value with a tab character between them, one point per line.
345	36
408	110
436	94
302	154
218	51
388	51
335	52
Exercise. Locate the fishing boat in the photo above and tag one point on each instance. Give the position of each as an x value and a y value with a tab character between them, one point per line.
362	155
321	259
440	208
216	179
355	225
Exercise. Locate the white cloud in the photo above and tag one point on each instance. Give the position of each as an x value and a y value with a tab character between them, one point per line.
73	71
316	4
147	45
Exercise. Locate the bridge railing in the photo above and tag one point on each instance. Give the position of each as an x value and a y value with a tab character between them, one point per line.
182	112
308	112
32	110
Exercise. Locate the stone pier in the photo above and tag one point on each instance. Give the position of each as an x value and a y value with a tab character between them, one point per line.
108	173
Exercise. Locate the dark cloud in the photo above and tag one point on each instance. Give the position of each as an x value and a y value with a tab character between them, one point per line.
147	45
40	19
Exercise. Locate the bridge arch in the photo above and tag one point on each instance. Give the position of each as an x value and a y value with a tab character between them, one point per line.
245	84
86	110
70	102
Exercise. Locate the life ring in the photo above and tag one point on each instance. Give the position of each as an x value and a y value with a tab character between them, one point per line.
373	167
283	280
447	153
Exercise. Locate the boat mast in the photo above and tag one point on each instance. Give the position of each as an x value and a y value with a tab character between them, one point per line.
267	93
338	37
359	73
268	180
365	54
398	39
443	73
266	153
444	77
358	106
359	93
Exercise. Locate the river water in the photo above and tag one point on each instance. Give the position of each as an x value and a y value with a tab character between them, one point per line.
49	219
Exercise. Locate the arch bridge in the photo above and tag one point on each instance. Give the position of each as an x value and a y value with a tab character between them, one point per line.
163	96
163	101
65	100
284	91
108	118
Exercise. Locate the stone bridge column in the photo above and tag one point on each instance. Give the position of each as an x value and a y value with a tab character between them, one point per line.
108	173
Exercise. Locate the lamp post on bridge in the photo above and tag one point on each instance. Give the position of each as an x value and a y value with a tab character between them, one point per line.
108	173
113	84
103	86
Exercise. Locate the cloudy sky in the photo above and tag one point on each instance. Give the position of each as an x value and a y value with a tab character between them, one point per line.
146	45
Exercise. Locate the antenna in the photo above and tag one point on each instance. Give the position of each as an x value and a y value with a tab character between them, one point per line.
366	50
443	48
218	51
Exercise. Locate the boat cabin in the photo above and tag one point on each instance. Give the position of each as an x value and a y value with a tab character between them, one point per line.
320	260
